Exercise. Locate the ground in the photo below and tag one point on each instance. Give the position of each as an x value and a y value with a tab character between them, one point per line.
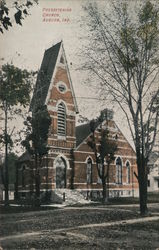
74	228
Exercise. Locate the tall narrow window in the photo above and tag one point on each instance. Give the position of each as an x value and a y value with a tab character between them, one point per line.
61	119
60	165
100	167
118	171
89	171
128	172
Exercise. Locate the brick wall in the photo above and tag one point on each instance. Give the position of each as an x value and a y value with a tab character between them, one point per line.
75	158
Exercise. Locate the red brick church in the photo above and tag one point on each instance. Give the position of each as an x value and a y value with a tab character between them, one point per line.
70	163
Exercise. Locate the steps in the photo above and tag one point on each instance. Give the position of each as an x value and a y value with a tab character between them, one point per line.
68	197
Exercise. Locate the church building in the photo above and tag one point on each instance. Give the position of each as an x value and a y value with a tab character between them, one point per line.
70	163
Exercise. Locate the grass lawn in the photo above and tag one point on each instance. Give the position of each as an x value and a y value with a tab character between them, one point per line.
60	229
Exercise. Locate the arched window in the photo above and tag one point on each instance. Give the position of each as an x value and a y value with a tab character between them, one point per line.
89	171
100	167
60	165
118	171
128	172
61	119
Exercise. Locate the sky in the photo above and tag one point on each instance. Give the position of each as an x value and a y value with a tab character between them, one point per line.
24	46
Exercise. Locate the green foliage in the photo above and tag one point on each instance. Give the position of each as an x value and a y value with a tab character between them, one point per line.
155	107
148	13
21	11
36	141
107	148
12	158
15	86
138	39
37	131
6	139
103	147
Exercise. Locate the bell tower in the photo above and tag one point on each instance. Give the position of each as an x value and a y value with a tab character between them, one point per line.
61	102
54	88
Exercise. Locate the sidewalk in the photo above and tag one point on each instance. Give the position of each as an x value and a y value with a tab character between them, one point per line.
113	223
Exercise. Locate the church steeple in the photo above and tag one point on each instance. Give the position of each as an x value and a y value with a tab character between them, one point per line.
55	89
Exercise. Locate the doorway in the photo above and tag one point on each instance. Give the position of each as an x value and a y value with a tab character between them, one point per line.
60	173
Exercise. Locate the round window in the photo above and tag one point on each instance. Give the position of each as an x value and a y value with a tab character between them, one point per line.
62	88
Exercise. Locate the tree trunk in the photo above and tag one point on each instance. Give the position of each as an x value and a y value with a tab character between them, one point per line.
6	161
37	181
16	196
47	173
107	181
104	190
143	193
142	178
37	184
32	178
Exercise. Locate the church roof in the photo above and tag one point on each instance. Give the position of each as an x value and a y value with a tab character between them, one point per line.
45	75
83	131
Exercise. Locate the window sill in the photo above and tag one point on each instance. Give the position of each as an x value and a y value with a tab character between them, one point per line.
61	137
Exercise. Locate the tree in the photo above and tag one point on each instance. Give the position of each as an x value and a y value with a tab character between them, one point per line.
36	141
15	86
123	56
21	10
104	149
12	158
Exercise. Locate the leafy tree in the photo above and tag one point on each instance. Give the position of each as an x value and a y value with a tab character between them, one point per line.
36	142
15	86
21	11
104	149
12	158
123	56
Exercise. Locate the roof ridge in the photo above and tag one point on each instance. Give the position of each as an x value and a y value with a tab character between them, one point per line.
53	46
45	74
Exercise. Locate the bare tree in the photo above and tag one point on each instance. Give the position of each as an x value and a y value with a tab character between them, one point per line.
123	56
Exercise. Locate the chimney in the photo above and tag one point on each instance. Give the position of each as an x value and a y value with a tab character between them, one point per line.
107	114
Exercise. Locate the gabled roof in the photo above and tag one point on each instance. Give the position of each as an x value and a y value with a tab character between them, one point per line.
43	83
83	131
45	75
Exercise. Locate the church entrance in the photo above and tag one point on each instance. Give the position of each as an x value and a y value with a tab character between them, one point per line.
60	173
